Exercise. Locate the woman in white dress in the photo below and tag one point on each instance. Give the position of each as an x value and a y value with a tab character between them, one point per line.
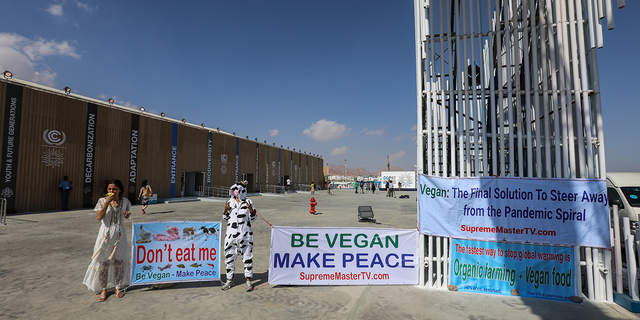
110	262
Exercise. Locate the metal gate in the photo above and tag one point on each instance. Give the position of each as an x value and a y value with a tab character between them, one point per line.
510	88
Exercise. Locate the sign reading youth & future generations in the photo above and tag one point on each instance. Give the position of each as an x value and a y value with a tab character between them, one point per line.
175	251
559	211
544	272
343	256
10	144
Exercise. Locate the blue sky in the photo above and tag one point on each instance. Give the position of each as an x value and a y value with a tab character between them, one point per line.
334	78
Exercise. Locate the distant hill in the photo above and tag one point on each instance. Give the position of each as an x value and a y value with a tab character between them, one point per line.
338	170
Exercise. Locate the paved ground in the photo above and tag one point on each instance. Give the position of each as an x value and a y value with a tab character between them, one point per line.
44	256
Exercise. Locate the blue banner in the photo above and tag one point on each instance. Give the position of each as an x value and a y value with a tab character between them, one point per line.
209	155
175	251
543	272
557	211
237	156
174	159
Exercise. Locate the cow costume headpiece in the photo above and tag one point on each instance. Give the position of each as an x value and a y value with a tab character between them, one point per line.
238	190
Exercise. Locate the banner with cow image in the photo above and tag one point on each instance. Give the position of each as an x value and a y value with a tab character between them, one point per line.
175	251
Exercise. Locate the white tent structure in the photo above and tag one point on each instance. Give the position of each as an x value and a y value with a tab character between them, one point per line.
511	88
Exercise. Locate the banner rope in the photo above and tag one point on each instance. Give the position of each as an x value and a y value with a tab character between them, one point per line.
265	220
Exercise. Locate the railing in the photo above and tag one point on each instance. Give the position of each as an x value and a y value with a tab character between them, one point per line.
303	187
3	211
435	261
213	192
268	188
223	192
628	235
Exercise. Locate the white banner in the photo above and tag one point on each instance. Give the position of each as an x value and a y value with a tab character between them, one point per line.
401	179
343	256
558	211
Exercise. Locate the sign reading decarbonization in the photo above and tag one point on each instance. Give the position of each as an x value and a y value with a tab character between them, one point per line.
559	211
343	256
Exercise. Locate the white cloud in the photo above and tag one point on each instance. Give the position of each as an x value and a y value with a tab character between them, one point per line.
376	133
415	126
339	151
402	137
55	10
274	132
126	104
397	156
324	130
24	57
84	6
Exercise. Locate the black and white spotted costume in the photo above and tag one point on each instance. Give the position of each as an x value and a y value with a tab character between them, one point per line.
239	212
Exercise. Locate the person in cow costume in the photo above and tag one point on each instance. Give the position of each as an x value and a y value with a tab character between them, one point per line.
239	212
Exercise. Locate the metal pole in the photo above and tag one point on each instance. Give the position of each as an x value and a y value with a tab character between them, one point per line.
565	82
452	112
419	82
500	71
584	79
432	114
443	89
546	113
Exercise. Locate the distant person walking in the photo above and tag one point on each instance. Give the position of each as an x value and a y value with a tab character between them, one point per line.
373	188
356	185
145	192
386	185
399	186
313	188
391	189
362	187
289	184
65	188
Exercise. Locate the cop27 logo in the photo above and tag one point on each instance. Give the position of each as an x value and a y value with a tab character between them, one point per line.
53	156
223	160
54	137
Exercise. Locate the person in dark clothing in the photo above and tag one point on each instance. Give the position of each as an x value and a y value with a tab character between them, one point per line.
65	188
387	187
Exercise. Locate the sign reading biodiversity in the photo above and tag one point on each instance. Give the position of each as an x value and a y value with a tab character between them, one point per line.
534	271
175	251
343	256
559	211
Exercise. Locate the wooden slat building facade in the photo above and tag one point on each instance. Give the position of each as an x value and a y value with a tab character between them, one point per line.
47	134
